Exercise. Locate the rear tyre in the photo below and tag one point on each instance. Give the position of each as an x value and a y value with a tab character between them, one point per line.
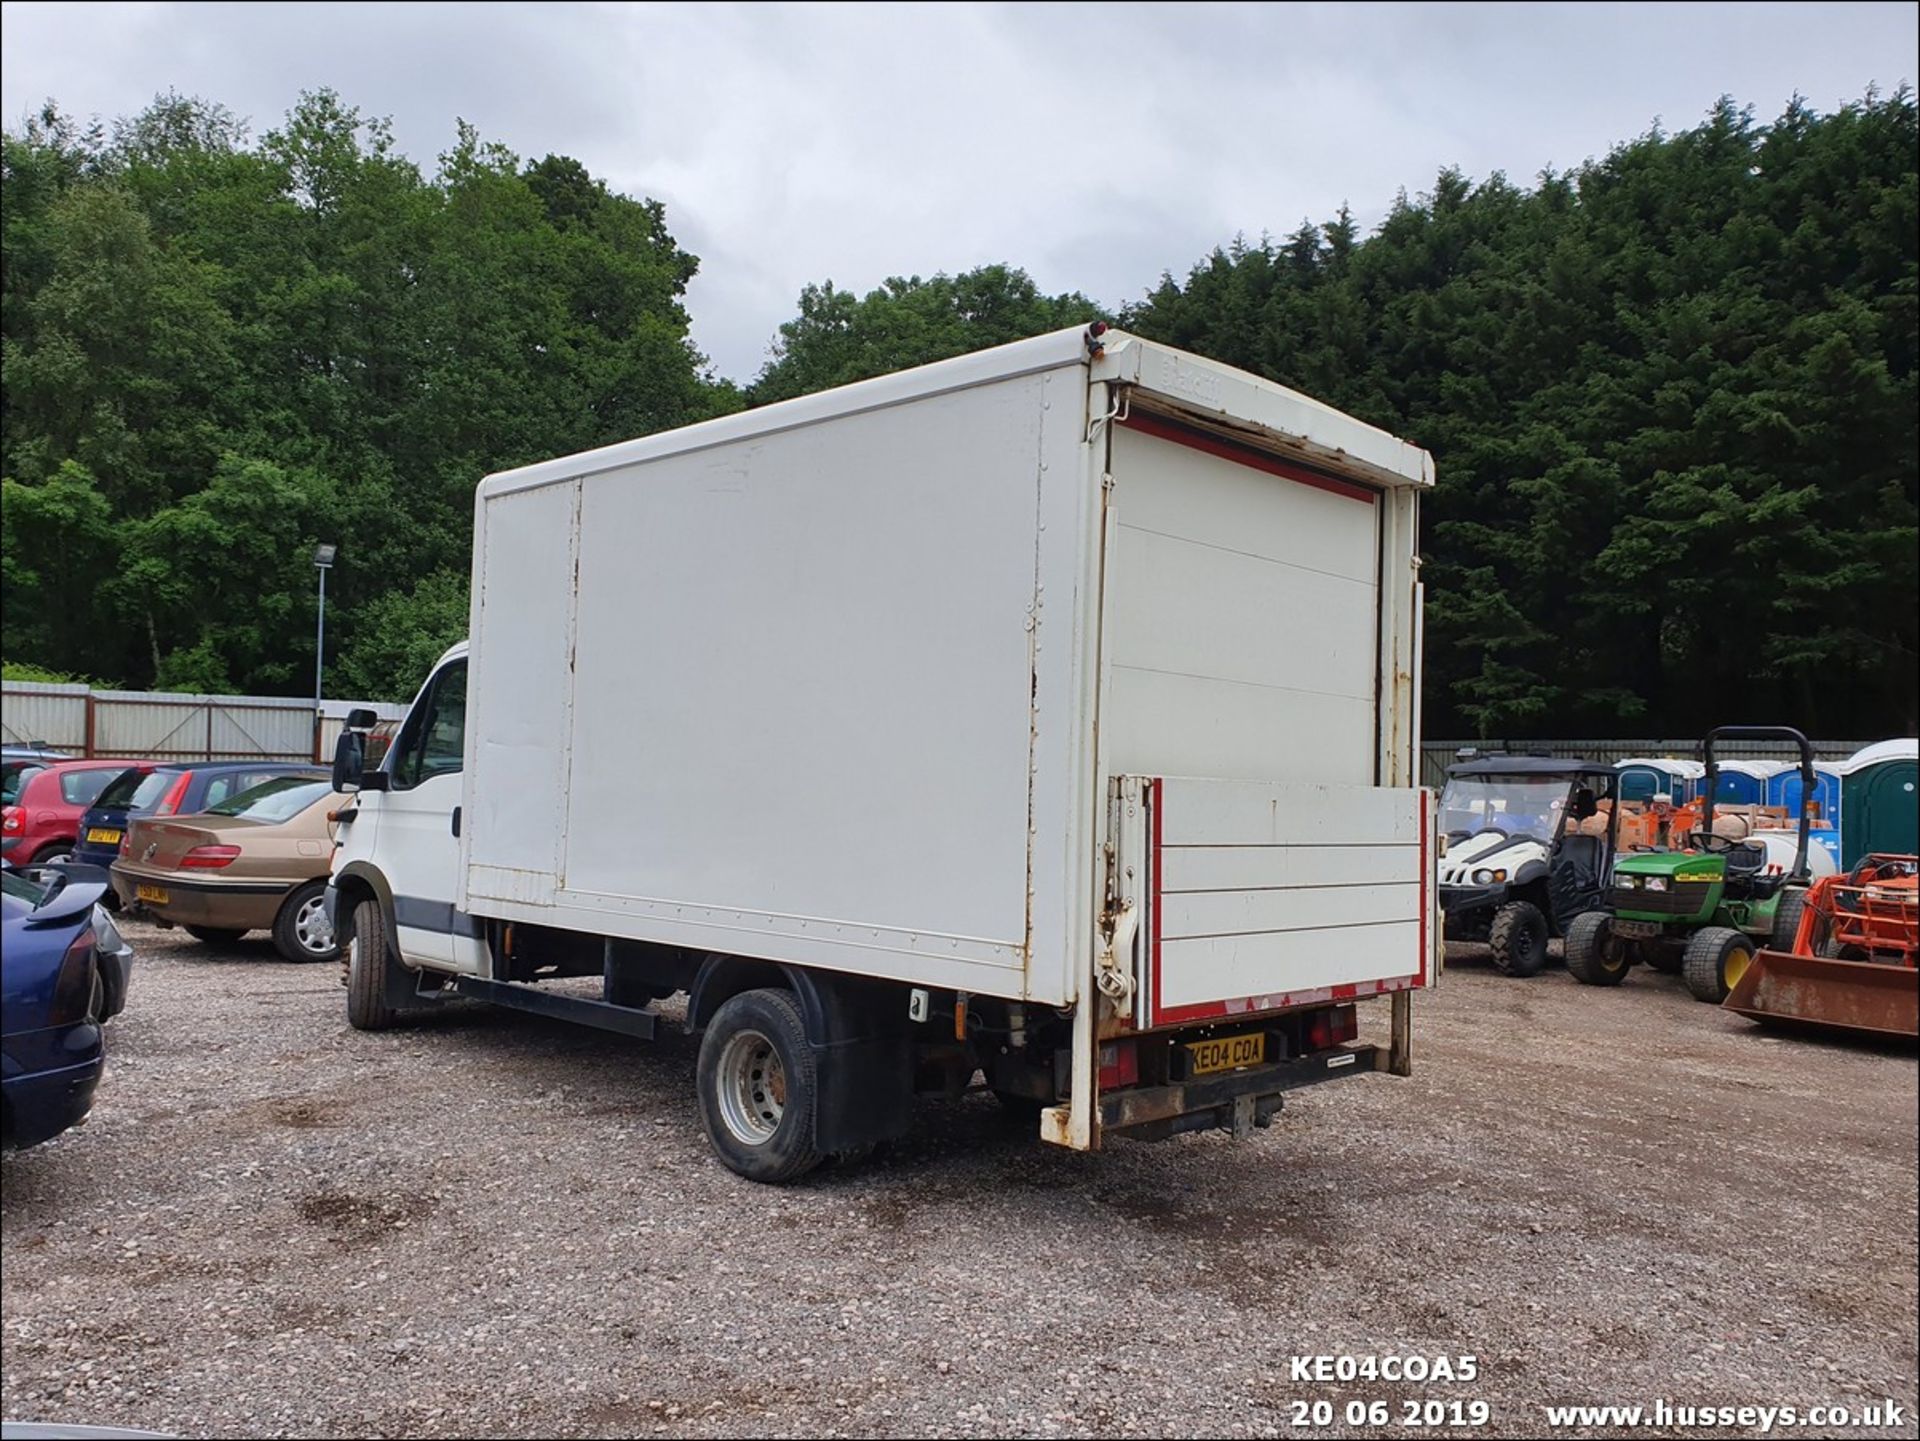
759	1088
46	855
214	935
300	931
1786	918
1716	958
1024	1109
1518	937
368	954
1662	955
1595	955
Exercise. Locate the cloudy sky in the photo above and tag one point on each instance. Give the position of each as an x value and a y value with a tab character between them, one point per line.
1097	146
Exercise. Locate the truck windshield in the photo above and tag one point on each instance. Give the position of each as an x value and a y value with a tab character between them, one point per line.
1518	805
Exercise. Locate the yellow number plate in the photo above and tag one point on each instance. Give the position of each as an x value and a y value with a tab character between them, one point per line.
156	894
103	837
1227	1053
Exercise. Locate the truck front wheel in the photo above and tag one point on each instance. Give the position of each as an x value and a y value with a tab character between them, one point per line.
1518	937
759	1087
366	963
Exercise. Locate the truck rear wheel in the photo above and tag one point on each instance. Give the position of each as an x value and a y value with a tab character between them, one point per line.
1518	937
1595	955
759	1088
368	956
1716	958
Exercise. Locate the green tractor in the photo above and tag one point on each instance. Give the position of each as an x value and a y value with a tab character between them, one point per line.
1704	911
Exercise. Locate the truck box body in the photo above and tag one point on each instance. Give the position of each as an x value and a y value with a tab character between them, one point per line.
1079	660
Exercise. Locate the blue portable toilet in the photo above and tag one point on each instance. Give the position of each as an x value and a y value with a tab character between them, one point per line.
1783	790
1744	783
1644	777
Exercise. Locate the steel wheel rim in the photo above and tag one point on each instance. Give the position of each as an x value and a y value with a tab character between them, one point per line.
303	927
1613	955
751	1087
1737	964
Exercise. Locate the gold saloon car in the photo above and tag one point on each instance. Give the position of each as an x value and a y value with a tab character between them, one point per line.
256	862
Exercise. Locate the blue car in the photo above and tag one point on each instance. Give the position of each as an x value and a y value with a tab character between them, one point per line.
183	789
64	971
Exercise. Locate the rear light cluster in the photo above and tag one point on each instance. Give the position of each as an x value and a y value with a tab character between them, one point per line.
1119	1064
14	821
208	858
73	987
170	803
1332	1027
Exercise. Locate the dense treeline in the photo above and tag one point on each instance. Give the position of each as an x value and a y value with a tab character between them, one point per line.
1671	395
218	353
1672	400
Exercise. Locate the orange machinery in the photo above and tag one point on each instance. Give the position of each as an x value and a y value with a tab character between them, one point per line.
1853	962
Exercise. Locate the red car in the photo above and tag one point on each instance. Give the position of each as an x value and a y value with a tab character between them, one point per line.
41	804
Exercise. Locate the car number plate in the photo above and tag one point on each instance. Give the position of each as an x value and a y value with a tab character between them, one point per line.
1227	1053
156	894
101	836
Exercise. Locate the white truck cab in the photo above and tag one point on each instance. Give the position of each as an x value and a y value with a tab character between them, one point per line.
1049	713
406	843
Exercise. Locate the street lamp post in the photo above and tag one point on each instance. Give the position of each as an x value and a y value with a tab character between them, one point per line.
322	561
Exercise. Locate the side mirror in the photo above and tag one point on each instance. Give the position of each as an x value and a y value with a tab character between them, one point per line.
361	719
1585	805
349	757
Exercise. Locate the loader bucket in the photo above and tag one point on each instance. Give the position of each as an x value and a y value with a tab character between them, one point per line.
1875	999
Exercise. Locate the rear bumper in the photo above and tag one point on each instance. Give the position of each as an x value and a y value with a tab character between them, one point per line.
95	855
229	905
1232	1100
10	844
42	1104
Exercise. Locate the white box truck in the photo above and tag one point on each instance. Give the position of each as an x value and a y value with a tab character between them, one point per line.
1050	712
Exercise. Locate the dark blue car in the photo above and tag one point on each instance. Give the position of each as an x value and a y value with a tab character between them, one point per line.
185	789
64	971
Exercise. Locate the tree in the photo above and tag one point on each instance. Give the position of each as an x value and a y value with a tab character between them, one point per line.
218	351
838	338
1671	399
400	634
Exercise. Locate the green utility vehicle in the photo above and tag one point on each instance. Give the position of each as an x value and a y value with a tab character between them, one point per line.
1703	911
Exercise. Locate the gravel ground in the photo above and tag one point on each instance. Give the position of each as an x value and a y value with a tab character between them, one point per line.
489	1224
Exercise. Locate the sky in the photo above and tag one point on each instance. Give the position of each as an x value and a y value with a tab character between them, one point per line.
1097	147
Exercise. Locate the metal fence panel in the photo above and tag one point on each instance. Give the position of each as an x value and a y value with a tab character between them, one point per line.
172	725
161	726
50	715
244	728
